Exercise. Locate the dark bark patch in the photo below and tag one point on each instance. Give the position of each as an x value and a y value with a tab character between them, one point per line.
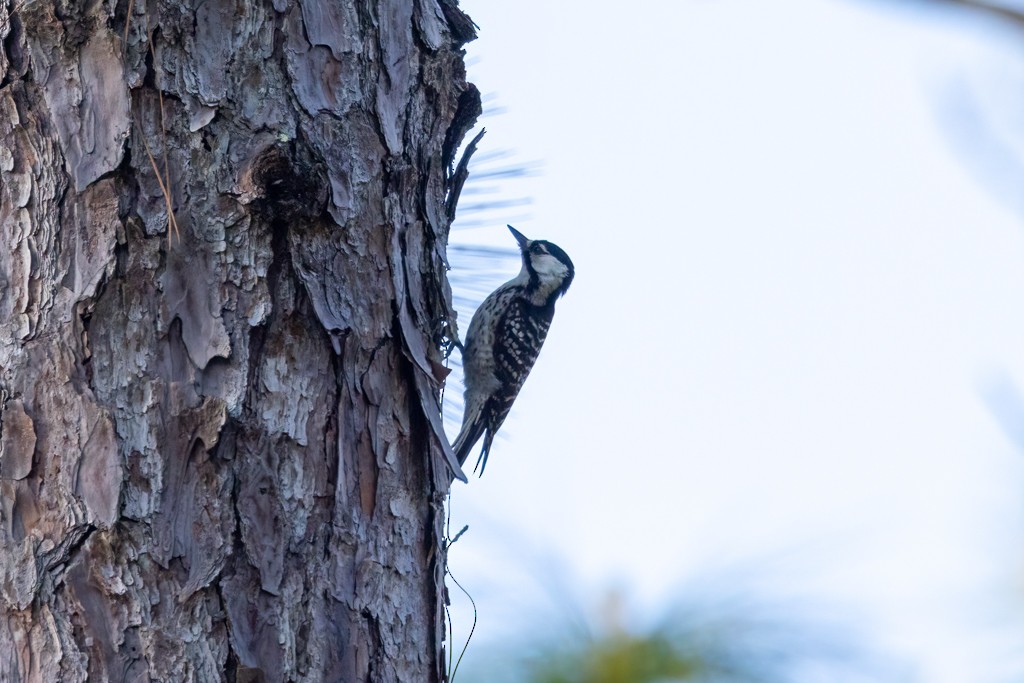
138	487
14	63
459	176
462	27
467	112
244	674
288	185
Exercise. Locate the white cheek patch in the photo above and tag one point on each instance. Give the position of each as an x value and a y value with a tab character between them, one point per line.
548	267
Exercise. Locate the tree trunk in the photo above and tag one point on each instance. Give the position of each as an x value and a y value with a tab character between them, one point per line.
220	312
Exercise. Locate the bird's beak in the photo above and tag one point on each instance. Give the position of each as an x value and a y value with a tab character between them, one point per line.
520	237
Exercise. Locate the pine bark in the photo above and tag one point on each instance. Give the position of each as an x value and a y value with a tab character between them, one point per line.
220	451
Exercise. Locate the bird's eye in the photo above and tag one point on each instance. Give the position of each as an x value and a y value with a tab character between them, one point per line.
537	248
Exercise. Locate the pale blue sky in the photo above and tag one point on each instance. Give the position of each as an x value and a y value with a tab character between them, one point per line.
796	277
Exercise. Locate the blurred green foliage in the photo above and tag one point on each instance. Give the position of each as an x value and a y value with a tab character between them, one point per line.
619	658
711	640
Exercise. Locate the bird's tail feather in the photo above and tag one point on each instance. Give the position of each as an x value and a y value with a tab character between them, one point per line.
467	438
481	462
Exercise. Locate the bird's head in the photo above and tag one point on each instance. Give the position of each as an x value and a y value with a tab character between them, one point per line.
550	269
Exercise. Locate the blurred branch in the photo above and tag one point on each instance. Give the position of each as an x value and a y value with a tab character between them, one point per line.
1006	404
982	123
1010	14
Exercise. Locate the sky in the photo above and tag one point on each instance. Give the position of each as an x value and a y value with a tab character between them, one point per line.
794	347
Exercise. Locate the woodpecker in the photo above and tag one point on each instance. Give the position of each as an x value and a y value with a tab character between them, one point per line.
504	339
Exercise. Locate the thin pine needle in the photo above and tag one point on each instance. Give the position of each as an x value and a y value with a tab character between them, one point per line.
458	535
128	21
451	638
471	630
165	180
447	612
171	222
448	572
